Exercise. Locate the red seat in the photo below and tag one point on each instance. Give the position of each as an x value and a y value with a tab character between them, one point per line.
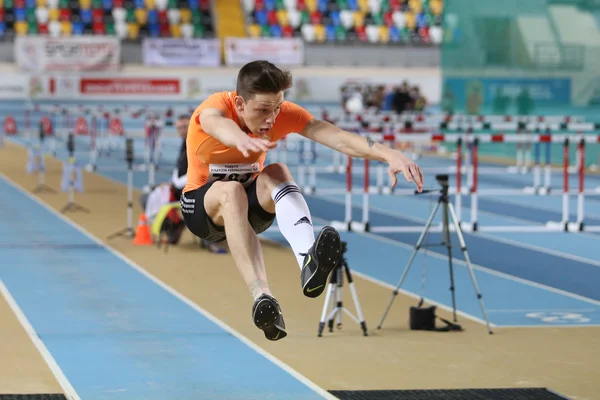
162	17
272	17
1	14
64	14
361	33
165	31
287	31
395	5
98	28
98	15
119	3
315	18
43	29
19	4
388	20
300	6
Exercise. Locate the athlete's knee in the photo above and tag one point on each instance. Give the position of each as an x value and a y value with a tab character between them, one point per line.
232	193
278	171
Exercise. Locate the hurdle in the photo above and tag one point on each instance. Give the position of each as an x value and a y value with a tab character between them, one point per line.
564	224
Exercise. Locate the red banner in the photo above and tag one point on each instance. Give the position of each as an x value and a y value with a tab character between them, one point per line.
129	86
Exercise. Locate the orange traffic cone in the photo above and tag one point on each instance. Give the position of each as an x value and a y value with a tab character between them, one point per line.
142	233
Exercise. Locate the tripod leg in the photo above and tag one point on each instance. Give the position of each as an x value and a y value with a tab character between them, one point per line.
338	297
361	319
410	261
463	247
330	291
448	244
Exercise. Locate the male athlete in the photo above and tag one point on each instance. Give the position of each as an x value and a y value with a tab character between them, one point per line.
231	195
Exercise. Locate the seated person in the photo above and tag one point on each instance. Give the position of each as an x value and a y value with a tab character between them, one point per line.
169	194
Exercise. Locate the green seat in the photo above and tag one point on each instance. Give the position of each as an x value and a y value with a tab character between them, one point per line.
31	15
110	29
265	31
32	28
340	33
130	16
196	17
199	30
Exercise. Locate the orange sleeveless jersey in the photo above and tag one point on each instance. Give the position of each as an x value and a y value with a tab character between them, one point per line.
203	150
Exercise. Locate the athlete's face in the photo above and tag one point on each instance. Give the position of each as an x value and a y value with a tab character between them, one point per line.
259	113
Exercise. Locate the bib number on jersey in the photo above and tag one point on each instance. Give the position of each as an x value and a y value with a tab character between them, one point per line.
241	173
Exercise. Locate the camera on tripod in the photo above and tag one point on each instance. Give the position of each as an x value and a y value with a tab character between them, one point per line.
344	247
443	180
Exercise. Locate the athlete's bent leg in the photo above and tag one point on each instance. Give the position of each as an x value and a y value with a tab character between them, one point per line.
277	192
226	204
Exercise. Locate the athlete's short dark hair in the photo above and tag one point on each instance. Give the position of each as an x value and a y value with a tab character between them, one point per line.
262	77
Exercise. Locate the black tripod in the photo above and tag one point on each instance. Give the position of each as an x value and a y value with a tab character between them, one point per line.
448	211
335	288
128	231
70	174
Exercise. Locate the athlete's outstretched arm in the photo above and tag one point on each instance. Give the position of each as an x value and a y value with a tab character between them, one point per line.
226	131
355	145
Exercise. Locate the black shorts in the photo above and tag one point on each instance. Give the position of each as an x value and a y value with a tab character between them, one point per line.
201	225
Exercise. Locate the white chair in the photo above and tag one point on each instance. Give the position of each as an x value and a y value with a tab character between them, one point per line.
290	5
294	18
372	32
42	14
119	14
161	5
173	15
374	6
52	3
187	31
121	29
248	5
308	32
54	29
399	19
347	19
436	34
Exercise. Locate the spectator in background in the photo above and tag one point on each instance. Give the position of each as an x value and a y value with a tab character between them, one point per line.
179	176
420	102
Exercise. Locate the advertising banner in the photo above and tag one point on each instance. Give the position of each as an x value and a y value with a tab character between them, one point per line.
67	53
181	52
138	87
284	51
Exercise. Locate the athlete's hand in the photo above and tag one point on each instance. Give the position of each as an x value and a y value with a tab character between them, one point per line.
410	169
255	145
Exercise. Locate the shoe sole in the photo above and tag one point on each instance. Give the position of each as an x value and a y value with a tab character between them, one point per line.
265	318
328	251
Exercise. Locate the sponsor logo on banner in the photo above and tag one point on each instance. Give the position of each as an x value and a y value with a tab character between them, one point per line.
129	86
181	52
90	53
284	51
13	86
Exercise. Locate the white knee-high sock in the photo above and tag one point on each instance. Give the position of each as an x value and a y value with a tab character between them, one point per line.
293	218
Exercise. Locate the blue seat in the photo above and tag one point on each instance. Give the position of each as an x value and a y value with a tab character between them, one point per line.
78	28
152	17
352	5
154	29
323	6
86	15
107	4
261	17
394	34
193	5
422	20
330	35
276	31
20	14
139	4
2	28
30	4
335	18
270	5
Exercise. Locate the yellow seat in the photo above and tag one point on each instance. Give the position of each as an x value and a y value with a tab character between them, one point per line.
384	34
363	5
254	30
85	4
38	3
175	30
311	5
436	7
150	4
409	20
141	16
282	18
186	15
133	30
1	3
416	6
21	28
319	33
53	14
359	19
66	28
